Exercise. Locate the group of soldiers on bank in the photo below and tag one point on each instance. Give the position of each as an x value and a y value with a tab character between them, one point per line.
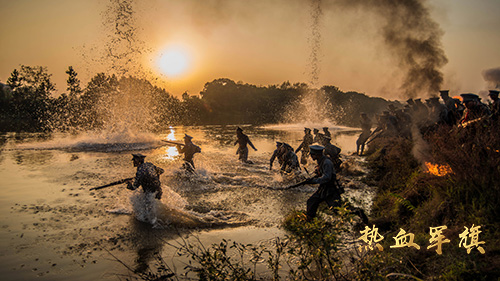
428	116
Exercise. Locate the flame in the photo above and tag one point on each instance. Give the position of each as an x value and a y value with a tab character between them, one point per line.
438	170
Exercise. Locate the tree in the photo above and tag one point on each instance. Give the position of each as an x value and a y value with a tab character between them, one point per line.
73	83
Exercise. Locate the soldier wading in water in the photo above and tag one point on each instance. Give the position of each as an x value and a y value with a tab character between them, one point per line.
147	176
329	190
242	141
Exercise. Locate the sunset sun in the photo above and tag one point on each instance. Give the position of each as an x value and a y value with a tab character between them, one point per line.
174	61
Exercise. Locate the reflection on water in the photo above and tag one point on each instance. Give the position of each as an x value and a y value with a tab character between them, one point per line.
46	202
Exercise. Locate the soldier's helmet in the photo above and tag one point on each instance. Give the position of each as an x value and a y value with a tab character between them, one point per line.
493	93
138	156
444	93
469	97
316	149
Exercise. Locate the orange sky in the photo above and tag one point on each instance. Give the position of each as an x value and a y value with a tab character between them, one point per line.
258	42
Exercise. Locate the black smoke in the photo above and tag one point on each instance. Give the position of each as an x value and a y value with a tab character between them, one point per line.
492	77
412	37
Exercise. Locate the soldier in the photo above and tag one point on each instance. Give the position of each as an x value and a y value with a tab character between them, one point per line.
474	108
243	140
189	149
495	106
290	159
326	132
147	176
333	152
327	179
318	137
304	146
278	153
454	107
366	126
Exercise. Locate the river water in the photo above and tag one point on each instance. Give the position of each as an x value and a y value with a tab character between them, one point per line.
54	228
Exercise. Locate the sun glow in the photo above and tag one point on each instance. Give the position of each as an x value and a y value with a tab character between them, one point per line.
174	61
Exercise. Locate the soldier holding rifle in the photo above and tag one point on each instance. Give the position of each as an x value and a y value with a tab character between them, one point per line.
147	176
328	190
189	149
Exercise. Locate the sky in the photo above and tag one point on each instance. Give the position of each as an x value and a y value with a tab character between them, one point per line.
260	42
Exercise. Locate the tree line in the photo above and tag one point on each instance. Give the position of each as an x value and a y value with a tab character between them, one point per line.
28	102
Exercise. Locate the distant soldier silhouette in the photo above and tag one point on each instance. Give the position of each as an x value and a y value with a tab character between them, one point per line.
326	132
495	106
366	126
189	149
304	146
147	176
318	137
242	141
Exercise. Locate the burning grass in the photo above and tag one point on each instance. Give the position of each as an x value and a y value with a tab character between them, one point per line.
459	187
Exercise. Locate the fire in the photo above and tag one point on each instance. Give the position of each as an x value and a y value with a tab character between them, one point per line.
438	170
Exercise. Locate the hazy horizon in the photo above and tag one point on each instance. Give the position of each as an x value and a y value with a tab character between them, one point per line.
261	42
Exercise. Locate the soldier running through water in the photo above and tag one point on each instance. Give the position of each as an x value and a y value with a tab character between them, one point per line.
242	141
304	146
189	149
329	190
147	176
290	160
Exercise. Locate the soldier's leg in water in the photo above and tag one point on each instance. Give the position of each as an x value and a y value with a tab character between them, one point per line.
313	204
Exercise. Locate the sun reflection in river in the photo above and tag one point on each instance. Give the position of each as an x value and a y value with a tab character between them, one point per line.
171	152
171	135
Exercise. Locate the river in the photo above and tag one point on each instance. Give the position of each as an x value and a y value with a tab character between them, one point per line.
54	228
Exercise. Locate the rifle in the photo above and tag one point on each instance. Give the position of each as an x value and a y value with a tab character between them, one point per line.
173	142
306	181
111	184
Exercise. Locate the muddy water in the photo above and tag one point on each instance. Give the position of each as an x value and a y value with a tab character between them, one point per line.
54	228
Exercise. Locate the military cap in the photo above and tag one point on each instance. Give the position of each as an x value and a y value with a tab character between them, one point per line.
469	97
493	93
138	156
444	92
325	128
186	136
278	143
239	129
287	146
315	130
410	100
316	149
307	129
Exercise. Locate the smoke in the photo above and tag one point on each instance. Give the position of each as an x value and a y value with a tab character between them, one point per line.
492	77
412	37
